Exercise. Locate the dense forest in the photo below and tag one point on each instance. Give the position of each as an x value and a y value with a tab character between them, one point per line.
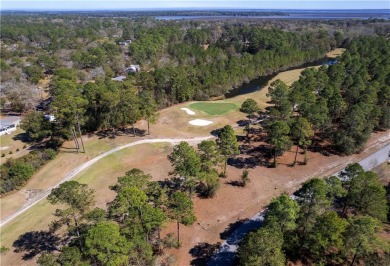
214	56
331	221
341	104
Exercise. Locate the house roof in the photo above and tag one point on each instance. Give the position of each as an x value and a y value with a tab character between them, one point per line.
9	120
119	78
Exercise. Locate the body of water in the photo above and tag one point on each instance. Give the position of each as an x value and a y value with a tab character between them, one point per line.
259	83
299	14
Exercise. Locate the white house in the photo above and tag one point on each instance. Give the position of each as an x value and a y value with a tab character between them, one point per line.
119	78
51	118
132	69
8	124
125	42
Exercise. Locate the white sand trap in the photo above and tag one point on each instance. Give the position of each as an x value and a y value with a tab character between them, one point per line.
200	122
188	111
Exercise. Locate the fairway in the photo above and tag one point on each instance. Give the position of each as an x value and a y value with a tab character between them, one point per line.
213	108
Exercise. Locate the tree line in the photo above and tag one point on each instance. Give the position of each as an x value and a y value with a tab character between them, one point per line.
16	172
35	47
331	221
340	104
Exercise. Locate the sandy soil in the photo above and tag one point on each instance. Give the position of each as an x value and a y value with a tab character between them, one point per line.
234	203
213	215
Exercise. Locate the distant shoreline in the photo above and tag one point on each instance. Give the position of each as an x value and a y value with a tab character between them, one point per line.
186	14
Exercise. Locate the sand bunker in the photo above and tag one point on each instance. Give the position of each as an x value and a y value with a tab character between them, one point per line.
200	122
188	111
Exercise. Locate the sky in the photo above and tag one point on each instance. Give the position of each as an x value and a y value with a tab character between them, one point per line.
189	4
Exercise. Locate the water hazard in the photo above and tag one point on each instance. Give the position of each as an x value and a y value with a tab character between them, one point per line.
259	83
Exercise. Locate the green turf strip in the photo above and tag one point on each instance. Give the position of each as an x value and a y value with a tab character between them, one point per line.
213	108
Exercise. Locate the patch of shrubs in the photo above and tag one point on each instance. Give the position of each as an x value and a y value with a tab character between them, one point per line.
15	172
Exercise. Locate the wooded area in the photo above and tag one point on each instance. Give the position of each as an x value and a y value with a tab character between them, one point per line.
335	221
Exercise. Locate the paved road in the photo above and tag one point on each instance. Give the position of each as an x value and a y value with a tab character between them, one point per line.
226	255
82	167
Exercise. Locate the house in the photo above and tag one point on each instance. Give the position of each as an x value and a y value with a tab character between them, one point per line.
119	78
125	42
132	69
8	124
51	118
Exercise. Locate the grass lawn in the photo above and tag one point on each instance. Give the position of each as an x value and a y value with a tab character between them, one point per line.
13	143
214	108
149	157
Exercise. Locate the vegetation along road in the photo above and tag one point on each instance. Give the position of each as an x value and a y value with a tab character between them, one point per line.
82	167
227	252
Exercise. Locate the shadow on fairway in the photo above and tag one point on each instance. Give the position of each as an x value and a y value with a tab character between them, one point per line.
35	242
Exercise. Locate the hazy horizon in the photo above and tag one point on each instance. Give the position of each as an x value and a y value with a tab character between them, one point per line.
120	5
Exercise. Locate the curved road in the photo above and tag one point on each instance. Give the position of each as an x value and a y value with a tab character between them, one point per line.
82	167
226	254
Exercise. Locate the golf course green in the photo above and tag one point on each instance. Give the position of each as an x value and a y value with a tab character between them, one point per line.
213	108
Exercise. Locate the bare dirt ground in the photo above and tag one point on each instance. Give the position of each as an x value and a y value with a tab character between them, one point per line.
233	204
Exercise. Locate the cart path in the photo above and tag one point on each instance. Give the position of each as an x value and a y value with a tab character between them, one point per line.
226	254
84	166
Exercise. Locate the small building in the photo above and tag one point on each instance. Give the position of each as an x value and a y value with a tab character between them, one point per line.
9	124
49	117
125	42
119	78
132	69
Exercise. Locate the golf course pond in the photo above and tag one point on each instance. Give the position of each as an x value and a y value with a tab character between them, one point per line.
259	83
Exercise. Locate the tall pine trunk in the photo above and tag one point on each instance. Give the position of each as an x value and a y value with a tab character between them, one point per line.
178	232
296	154
355	255
275	158
224	170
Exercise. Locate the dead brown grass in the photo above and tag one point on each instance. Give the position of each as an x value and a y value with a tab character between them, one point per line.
335	53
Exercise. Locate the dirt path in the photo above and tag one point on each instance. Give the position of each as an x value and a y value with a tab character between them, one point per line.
226	253
82	167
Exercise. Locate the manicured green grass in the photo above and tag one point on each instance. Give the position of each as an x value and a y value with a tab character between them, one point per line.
213	108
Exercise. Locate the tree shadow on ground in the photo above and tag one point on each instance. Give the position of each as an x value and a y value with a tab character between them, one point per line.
234	234
35	242
231	228
253	156
235	183
243	123
241	138
23	137
112	134
215	132
244	162
202	253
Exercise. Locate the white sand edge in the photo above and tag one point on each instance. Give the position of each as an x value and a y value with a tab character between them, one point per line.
188	111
